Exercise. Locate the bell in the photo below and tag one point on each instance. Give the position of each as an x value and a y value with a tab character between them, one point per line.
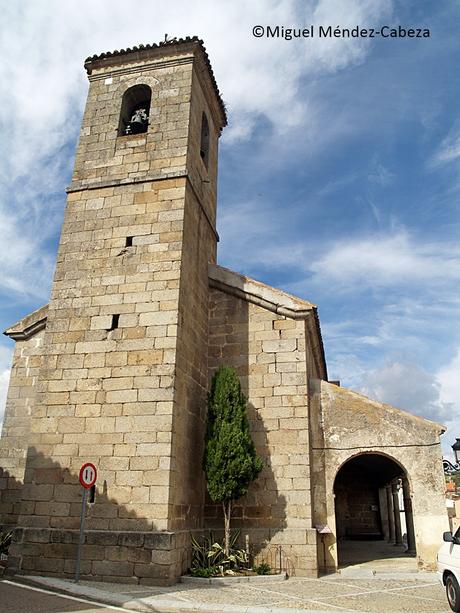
138	122
136	125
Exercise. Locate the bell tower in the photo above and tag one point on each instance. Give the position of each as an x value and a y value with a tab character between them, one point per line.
124	375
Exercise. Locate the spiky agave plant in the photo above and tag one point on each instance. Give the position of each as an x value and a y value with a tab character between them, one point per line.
5	541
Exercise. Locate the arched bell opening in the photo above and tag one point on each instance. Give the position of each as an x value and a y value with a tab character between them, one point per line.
373	510
135	110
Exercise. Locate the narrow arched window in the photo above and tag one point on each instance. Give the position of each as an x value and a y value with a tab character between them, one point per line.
204	142
135	110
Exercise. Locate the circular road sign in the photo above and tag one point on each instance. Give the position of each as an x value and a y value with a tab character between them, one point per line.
88	475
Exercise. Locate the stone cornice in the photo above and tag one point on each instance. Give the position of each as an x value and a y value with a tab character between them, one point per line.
145	177
122	70
29	325
270	298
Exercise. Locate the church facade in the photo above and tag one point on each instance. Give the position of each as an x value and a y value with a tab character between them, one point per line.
115	369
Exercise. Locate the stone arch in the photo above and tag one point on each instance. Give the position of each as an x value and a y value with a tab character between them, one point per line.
368	452
372	503
135	110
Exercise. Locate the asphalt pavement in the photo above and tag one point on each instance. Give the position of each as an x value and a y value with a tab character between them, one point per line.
16	598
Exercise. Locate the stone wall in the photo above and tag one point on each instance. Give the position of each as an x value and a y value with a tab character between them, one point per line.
16	425
187	485
149	558
107	395
357	507
203	178
198	249
268	352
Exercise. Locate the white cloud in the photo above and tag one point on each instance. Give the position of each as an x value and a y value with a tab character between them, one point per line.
388	259
449	149
449	377
380	175
25	266
332	12
409	387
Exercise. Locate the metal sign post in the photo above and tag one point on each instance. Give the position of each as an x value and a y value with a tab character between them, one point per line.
88	476
82	534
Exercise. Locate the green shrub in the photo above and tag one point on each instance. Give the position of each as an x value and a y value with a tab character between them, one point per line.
230	461
262	569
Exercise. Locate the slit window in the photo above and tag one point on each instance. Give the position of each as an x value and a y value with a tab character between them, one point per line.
129	241
115	321
204	142
135	110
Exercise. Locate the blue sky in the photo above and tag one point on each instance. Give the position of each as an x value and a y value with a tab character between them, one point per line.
339	171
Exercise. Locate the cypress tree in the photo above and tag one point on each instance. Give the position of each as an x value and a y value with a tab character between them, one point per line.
230	461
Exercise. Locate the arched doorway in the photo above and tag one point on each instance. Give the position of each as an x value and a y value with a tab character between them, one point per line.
373	510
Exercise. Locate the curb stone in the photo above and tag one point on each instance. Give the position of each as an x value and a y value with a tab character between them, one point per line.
232	580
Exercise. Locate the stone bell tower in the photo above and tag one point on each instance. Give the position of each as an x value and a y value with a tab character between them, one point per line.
124	372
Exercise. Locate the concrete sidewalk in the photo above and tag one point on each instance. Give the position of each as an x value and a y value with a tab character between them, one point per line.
382	593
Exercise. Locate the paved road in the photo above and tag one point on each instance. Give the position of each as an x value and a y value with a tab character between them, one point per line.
24	599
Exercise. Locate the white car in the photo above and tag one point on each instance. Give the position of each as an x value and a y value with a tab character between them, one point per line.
449	568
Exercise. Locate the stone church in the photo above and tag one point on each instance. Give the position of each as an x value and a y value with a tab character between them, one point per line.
115	369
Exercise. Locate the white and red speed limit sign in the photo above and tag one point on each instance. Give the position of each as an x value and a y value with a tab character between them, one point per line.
88	475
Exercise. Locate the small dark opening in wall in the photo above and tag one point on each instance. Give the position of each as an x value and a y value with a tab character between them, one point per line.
204	144
129	241
115	320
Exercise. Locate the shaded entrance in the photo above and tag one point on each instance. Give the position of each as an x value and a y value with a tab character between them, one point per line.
373	510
